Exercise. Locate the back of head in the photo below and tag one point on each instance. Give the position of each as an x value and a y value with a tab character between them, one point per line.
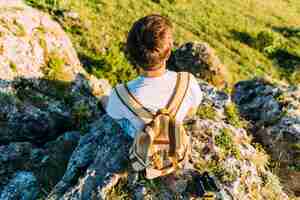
150	41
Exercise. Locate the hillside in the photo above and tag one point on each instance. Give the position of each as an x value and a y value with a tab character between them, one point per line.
57	143
252	37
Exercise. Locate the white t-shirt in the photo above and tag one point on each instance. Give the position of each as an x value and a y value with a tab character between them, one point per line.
153	93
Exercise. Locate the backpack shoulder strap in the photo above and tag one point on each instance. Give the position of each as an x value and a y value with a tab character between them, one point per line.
180	90
133	104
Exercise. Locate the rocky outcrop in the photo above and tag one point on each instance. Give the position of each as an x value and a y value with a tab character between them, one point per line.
101	154
98	168
47	101
274	110
40	78
23	186
47	163
46	98
201	60
32	45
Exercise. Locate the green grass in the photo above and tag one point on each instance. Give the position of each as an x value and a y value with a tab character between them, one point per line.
237	29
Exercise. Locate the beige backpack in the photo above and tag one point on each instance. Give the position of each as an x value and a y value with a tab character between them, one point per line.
163	146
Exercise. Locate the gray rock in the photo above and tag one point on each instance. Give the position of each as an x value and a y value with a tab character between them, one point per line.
274	111
98	167
32	44
44	90
101	152
23	186
257	101
212	96
27	114
48	163
201	60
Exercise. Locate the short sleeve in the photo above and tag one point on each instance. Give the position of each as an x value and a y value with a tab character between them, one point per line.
196	92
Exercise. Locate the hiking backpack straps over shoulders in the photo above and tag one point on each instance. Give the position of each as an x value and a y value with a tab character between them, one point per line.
162	145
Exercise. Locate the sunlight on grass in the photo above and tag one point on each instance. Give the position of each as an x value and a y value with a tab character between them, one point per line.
231	27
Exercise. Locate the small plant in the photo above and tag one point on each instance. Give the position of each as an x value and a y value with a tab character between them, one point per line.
233	116
225	142
54	66
206	112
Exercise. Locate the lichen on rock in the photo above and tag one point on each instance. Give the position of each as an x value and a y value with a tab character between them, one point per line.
274	110
201	60
98	168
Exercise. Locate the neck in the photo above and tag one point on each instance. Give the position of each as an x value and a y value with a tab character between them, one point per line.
154	73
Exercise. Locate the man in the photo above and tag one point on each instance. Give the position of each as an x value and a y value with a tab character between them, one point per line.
149	45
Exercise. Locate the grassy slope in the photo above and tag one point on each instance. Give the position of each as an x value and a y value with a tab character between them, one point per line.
230	26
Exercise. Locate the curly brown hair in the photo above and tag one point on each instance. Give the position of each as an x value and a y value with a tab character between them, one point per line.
149	41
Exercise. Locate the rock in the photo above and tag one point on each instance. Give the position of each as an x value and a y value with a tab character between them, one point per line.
259	96
39	78
34	46
23	186
47	163
100	153
12	158
30	115
200	59
54	164
274	111
98	168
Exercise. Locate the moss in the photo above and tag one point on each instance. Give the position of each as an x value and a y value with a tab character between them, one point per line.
225	142
206	112
295	77
233	116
